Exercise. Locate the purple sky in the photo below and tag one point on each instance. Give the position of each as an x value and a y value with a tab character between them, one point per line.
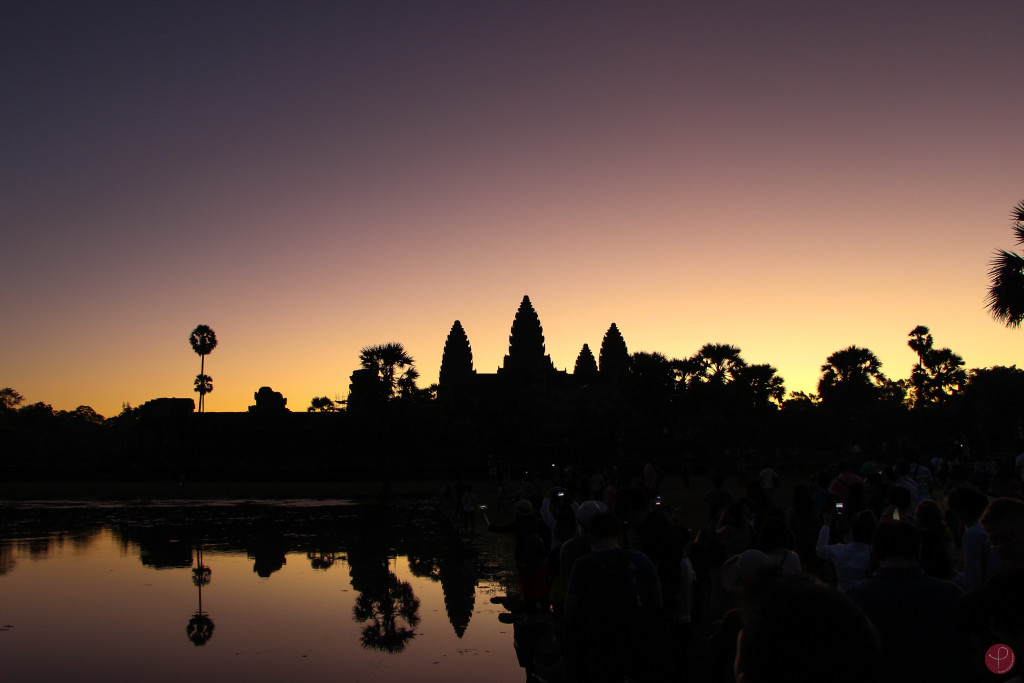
310	178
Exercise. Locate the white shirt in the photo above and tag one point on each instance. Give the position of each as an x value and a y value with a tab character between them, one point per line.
852	560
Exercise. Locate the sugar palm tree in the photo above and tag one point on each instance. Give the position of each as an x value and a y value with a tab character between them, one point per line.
720	363
851	376
386	360
204	386
1006	273
203	341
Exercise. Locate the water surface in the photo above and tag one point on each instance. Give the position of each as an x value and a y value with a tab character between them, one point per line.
237	590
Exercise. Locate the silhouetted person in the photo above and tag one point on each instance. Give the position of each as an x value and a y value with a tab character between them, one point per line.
937	546
531	551
912	611
840	486
776	541
796	629
980	559
1003	521
717	499
803	521
613	600
768	481
1004	602
852	560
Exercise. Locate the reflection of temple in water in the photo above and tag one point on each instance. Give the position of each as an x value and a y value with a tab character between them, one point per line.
369	538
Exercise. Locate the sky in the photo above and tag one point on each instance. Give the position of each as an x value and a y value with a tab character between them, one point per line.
310	178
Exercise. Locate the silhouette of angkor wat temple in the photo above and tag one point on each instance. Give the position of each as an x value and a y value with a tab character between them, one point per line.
527	368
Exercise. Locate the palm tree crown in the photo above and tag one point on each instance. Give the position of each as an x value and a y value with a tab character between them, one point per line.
386	360
719	363
203	340
1006	273
851	376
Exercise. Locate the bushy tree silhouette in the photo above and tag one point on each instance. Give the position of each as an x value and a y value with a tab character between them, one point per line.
938	373
762	385
321	404
851	377
719	363
386	360
10	399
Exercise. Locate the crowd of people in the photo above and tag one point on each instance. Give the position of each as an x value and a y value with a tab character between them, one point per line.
866	571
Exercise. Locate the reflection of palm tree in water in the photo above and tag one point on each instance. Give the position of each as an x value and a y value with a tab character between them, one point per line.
392	611
200	626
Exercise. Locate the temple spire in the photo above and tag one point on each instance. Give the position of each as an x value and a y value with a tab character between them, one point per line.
526	343
457	360
614	361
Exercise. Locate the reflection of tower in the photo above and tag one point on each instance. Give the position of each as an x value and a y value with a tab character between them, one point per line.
200	626
458	582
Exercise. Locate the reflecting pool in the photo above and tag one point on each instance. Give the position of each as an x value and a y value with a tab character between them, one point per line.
235	590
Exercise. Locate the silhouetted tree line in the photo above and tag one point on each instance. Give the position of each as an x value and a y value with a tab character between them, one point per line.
617	407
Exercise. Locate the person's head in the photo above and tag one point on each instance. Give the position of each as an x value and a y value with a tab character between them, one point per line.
928	515
604	526
896	541
587	510
875	481
775	534
902	467
968	502
863	526
900	497
1004	484
797	629
1003	520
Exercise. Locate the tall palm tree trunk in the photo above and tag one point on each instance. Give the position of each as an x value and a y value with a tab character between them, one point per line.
202	394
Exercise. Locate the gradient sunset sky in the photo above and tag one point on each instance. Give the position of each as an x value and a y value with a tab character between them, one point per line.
309	178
